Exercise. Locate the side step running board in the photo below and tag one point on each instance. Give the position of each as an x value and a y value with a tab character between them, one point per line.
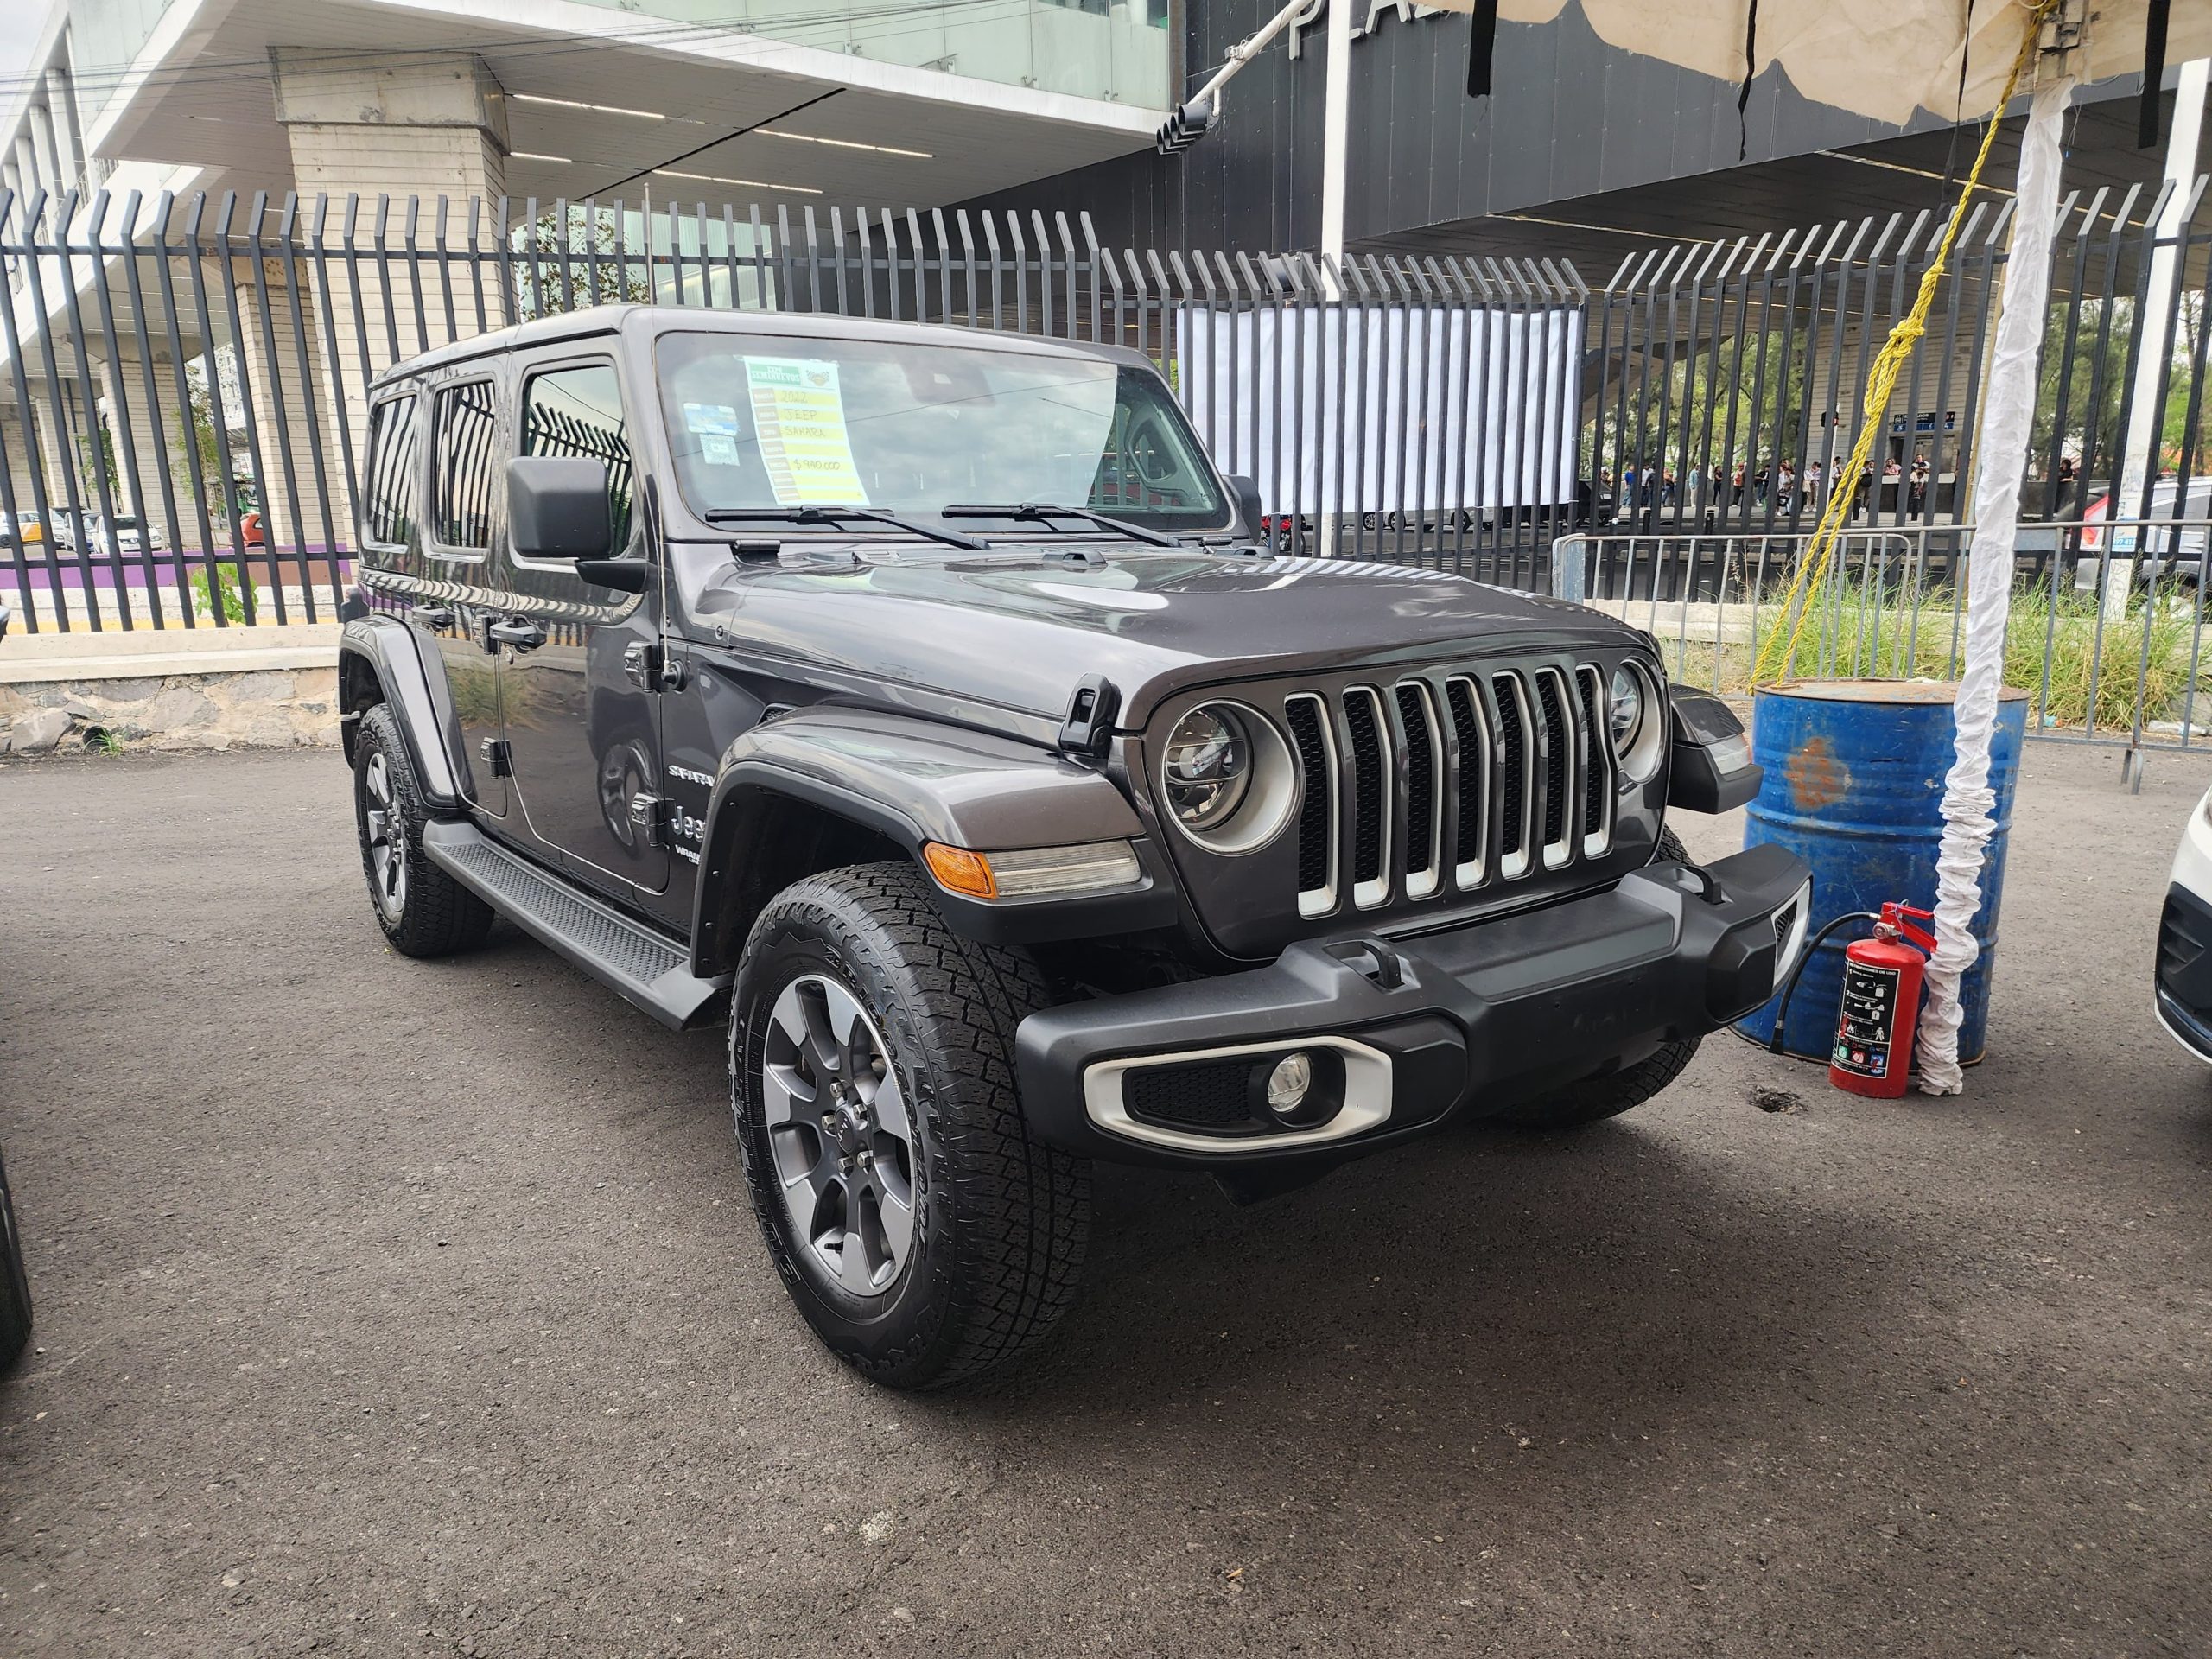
647	968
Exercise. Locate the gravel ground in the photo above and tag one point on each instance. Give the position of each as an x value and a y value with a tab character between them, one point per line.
394	1307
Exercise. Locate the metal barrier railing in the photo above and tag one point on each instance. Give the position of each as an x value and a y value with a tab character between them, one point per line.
2106	632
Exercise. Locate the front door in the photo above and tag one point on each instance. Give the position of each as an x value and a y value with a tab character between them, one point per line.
577	686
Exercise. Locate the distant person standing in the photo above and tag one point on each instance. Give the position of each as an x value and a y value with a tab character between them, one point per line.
1917	496
1813	497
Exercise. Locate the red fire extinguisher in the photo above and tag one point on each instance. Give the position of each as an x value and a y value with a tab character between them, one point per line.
1875	1027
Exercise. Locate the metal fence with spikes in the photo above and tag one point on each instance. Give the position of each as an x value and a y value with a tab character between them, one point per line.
183	379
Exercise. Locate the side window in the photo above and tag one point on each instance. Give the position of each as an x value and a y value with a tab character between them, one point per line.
388	493
578	411
462	429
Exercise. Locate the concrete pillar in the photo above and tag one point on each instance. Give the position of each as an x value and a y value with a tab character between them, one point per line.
28	168
426	127
67	154
17	446
154	438
40	122
292	508
61	94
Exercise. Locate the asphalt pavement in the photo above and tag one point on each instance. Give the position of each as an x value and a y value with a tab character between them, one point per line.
394	1307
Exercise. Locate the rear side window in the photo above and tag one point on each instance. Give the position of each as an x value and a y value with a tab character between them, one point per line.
578	412
388	493
463	433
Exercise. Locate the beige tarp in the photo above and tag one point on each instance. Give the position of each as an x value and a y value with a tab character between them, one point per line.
1881	58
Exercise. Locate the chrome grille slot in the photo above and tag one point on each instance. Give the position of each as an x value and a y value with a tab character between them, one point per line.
1514	761
1307	717
1598	777
1470	733
1556	745
1424	751
1367	736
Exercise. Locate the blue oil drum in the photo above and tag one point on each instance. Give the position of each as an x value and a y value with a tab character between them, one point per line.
1854	787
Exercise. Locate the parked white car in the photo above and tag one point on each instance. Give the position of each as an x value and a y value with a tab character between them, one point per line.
125	533
2184	970
2182	544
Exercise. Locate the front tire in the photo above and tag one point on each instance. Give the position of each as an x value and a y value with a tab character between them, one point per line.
421	910
924	1232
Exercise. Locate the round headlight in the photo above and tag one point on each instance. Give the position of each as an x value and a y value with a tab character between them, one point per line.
1624	709
1226	779
1208	769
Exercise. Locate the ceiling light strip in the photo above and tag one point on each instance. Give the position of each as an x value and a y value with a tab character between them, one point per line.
845	143
575	104
749	184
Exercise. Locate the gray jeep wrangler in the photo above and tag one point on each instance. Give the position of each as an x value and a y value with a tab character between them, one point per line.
916	700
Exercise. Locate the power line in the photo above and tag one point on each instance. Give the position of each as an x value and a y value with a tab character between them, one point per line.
723	139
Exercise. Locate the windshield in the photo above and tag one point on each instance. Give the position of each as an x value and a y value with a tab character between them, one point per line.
768	421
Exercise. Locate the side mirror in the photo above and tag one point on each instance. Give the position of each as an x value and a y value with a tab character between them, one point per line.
1247	493
557	507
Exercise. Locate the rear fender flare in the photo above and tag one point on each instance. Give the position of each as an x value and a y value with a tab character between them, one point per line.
386	650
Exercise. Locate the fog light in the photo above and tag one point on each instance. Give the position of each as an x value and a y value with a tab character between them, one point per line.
1289	1084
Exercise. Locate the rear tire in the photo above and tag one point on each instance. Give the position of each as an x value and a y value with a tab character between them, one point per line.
1595	1099
924	1232
421	910
15	1284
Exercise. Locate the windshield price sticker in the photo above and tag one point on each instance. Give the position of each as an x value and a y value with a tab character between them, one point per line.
799	417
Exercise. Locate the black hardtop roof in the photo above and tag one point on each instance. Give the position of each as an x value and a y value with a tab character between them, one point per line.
599	322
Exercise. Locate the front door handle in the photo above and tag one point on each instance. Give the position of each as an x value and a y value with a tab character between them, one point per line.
431	616
519	632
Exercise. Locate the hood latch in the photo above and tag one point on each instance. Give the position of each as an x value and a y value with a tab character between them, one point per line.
1089	723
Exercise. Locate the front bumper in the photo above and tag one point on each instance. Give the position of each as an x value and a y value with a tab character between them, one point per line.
2182	976
1473	1019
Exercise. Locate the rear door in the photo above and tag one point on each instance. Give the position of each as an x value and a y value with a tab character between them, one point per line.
578	683
460	594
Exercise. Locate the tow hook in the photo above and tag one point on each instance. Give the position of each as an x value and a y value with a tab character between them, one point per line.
1372	960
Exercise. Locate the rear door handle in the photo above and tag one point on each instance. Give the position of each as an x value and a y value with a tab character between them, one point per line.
431	616
520	632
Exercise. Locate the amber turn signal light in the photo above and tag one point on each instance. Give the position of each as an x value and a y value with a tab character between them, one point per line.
959	870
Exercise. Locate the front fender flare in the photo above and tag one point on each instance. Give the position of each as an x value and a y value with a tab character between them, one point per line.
388	648
914	781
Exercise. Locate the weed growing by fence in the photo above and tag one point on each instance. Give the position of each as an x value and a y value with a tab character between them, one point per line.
233	590
1877	631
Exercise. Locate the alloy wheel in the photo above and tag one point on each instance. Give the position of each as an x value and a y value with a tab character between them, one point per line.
840	1135
386	828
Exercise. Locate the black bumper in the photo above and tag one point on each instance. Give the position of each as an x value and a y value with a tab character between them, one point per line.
2184	970
1471	1019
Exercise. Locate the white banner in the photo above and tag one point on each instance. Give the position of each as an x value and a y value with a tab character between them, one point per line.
1446	408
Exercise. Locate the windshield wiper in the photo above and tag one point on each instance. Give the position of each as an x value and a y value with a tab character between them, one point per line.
1043	512
811	513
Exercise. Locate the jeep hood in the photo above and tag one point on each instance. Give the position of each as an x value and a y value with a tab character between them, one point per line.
1021	629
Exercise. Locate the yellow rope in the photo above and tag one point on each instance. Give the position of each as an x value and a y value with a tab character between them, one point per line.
1775	655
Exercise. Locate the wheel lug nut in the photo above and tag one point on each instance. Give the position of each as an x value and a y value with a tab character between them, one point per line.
867	1161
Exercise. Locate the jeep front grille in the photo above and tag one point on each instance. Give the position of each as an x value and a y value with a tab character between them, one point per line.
1447	782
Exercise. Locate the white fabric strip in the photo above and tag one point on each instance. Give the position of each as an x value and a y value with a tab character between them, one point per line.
2008	414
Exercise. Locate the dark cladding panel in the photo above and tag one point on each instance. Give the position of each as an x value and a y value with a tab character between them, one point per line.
1570	116
1579	85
